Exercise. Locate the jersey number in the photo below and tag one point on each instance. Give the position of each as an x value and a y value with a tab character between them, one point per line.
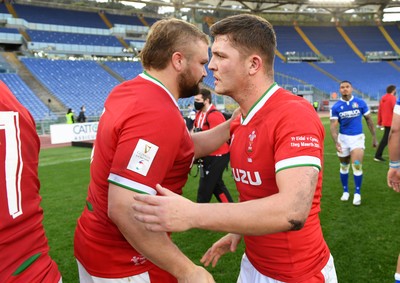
10	148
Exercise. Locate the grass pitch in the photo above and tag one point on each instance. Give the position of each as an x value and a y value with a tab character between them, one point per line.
363	240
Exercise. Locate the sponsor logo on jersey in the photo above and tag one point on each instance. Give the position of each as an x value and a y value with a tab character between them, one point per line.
350	113
247	177
142	157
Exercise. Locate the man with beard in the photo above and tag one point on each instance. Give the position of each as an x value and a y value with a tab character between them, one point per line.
142	140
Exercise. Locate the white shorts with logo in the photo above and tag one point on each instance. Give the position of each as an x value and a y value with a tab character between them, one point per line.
349	143
248	274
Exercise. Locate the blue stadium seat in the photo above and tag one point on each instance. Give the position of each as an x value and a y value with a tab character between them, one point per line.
74	83
27	98
55	16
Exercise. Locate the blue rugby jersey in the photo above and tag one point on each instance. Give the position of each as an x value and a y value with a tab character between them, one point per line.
350	113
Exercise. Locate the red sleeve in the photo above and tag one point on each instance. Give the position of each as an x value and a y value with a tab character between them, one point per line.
152	129
293	139
380	113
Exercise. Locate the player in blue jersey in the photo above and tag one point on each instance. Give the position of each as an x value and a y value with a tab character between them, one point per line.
350	139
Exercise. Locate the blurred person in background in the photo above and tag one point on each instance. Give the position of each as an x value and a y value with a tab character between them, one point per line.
385	116
70	116
211	167
82	116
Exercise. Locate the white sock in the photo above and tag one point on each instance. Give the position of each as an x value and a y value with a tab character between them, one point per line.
397	277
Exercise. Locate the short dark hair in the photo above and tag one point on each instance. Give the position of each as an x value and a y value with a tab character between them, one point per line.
343	82
165	37
249	33
206	94
390	88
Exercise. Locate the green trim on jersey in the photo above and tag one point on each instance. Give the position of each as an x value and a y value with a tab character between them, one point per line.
26	264
258	100
150	76
128	188
89	206
299	165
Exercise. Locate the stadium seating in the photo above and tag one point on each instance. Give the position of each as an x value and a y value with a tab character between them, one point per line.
85	82
73	38
55	16
127	70
367	38
27	98
124	20
74	83
289	40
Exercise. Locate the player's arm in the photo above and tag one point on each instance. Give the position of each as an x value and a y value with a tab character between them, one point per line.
149	243
393	176
206	142
334	125
284	211
371	128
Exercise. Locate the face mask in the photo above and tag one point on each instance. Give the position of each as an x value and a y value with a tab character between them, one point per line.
198	105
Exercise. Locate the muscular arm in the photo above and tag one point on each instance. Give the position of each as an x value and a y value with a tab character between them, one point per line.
394	139
147	243
284	211
371	128
334	130
208	141
335	133
393	175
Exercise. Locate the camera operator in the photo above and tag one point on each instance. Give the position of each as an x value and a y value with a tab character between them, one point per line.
212	166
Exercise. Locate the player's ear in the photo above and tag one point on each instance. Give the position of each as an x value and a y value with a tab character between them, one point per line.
255	64
177	61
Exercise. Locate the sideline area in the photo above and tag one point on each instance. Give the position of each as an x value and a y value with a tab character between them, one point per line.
45	140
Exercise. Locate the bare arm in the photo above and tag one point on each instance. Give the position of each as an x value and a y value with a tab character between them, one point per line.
151	243
284	211
371	128
393	176
394	139
210	140
335	133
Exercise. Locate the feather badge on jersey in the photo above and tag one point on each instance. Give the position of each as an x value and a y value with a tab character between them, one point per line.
252	137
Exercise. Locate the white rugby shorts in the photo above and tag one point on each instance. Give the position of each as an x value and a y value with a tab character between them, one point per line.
349	143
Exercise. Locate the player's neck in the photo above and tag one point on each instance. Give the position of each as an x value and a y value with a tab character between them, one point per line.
165	77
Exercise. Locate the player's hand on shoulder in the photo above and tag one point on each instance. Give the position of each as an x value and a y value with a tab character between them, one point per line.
166	212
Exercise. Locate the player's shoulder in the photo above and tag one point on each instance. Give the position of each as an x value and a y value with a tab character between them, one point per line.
287	105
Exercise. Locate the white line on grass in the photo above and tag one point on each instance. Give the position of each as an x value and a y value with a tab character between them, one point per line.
44	164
